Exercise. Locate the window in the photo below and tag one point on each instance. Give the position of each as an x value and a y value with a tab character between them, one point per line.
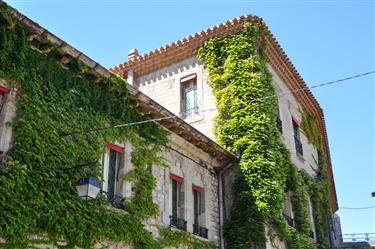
199	210
3	91
5	135
189	96
112	165
279	123
297	138
177	216
288	209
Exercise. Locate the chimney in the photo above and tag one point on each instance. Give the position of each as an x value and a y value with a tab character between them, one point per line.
133	53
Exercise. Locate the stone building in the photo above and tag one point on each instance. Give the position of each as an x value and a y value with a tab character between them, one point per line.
174	77
194	193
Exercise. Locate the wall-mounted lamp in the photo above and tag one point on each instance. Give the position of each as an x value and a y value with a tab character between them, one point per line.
88	188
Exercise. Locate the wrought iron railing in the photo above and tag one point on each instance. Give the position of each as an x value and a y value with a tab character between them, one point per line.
279	124
200	231
190	112
115	200
358	237
298	144
177	223
289	220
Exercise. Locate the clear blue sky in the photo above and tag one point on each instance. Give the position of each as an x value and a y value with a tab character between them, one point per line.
326	40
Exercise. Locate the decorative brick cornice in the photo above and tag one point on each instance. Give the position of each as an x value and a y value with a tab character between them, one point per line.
187	48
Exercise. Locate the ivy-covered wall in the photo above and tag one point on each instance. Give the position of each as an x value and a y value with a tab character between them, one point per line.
238	75
59	95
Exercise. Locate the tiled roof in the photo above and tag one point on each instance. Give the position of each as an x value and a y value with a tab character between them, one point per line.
187	47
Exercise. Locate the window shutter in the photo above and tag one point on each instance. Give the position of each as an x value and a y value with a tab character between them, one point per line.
181	196
195	96
202	203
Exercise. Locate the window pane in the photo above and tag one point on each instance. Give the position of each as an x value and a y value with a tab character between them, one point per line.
174	198
195	96
196	207
112	175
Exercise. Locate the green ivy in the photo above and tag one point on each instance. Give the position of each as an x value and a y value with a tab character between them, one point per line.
61	108
246	126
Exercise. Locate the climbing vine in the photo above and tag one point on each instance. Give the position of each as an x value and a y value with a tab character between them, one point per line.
61	108
246	126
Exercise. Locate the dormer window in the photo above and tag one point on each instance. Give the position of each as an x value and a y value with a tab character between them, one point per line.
189	96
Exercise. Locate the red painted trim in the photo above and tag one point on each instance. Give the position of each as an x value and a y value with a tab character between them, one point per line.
176	178
188	77
197	188
3	90
115	147
294	121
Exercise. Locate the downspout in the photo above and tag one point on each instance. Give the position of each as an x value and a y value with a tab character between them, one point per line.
220	190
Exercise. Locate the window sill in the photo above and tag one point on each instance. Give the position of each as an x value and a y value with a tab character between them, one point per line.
199	237
189	232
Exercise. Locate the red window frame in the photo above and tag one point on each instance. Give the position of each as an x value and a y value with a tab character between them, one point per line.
176	178
3	90
115	147
197	188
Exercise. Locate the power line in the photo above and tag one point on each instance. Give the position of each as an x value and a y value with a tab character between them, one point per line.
64	134
190	1
357	208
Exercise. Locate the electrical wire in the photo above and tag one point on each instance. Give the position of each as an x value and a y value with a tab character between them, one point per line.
64	134
357	208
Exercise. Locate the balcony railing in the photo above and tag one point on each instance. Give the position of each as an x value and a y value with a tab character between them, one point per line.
298	144
190	113
358	237
115	200
200	231
289	220
177	223
279	124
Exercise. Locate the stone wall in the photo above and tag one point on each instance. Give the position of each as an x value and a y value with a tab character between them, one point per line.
188	162
195	167
164	87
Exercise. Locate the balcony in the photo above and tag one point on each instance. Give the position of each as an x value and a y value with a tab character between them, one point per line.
298	144
279	124
200	231
289	220
177	223
190	113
